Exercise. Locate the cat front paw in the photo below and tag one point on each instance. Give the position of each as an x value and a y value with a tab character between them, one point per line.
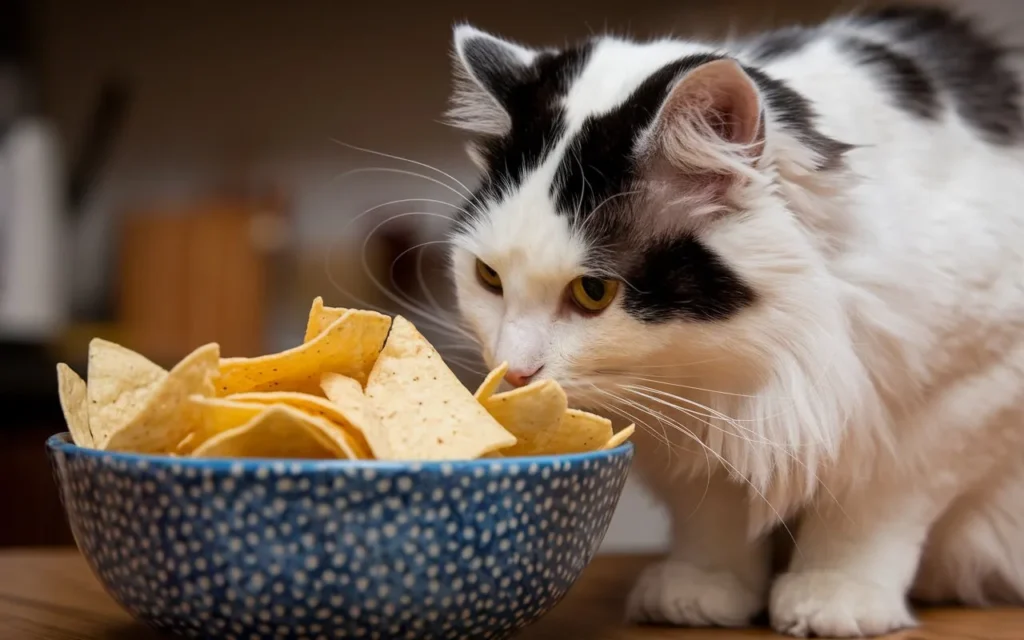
833	605
678	593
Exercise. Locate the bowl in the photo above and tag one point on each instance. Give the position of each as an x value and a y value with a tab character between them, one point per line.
337	549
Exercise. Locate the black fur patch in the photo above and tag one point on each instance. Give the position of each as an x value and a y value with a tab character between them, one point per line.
599	163
796	114
681	279
668	279
530	96
911	89
963	63
776	44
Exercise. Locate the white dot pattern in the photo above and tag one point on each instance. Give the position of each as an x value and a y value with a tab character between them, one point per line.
334	550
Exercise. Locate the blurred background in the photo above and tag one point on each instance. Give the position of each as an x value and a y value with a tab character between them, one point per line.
173	173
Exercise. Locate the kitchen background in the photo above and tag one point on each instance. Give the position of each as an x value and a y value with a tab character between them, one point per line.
176	172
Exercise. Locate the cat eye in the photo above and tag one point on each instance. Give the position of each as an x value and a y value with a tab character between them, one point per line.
593	294
488	276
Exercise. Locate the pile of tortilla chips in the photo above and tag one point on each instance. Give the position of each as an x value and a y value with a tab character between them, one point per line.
361	386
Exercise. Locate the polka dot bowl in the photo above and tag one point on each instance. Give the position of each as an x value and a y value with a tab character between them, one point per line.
250	549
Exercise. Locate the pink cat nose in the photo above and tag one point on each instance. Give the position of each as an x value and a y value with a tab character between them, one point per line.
521	377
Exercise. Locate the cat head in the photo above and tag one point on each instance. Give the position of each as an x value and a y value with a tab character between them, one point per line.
632	221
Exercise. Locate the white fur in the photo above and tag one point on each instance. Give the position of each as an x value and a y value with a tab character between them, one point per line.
875	394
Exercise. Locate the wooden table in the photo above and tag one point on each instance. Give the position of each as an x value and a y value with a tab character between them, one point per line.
51	595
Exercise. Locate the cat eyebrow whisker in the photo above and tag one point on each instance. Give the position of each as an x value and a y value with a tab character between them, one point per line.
426	315
404	159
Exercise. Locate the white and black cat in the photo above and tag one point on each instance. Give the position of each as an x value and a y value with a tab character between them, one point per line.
797	262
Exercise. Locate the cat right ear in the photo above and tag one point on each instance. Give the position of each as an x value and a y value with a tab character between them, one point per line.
487	69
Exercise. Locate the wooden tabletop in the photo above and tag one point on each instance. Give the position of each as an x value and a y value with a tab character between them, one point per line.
51	595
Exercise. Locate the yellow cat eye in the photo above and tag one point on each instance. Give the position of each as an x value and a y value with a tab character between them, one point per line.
593	294
488	276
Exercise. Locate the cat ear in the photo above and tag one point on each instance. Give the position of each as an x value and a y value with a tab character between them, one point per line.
712	121
486	70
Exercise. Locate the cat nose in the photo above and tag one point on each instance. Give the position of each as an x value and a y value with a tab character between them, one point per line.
521	377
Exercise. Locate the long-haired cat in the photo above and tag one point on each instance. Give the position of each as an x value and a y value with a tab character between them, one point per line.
797	261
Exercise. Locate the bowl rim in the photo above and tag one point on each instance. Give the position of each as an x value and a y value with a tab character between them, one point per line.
61	442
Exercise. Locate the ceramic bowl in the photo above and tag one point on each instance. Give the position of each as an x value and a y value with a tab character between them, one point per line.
337	549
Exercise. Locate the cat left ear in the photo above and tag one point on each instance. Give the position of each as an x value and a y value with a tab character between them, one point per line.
712	120
487	69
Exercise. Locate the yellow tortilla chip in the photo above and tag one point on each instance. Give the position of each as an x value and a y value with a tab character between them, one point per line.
220	415
314	405
215	416
537	415
620	438
530	413
424	409
121	382
278	431
348	346
166	416
578	432
321	317
348	399
491	382
74	401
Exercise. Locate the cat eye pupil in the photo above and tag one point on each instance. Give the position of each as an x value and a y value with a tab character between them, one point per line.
593	287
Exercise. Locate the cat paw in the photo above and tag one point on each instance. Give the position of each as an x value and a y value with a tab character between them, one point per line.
678	593
827	604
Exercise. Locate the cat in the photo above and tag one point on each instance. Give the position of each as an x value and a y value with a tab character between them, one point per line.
796	262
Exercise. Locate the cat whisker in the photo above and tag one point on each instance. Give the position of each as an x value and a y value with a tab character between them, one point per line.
381	154
813	478
752	438
391	203
439	324
734	472
662	438
642	367
663	419
404	172
656	380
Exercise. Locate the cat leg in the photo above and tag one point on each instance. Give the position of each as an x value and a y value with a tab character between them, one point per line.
854	563
714	575
975	552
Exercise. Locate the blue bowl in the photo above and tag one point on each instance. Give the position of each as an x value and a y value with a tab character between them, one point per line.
337	549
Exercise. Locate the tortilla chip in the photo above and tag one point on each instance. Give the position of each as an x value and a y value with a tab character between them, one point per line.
224	414
530	413
321	317
578	432
348	399
215	416
348	346
313	405
121	383
424	409
74	401
278	431
538	416
166	416
491	382
620	438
